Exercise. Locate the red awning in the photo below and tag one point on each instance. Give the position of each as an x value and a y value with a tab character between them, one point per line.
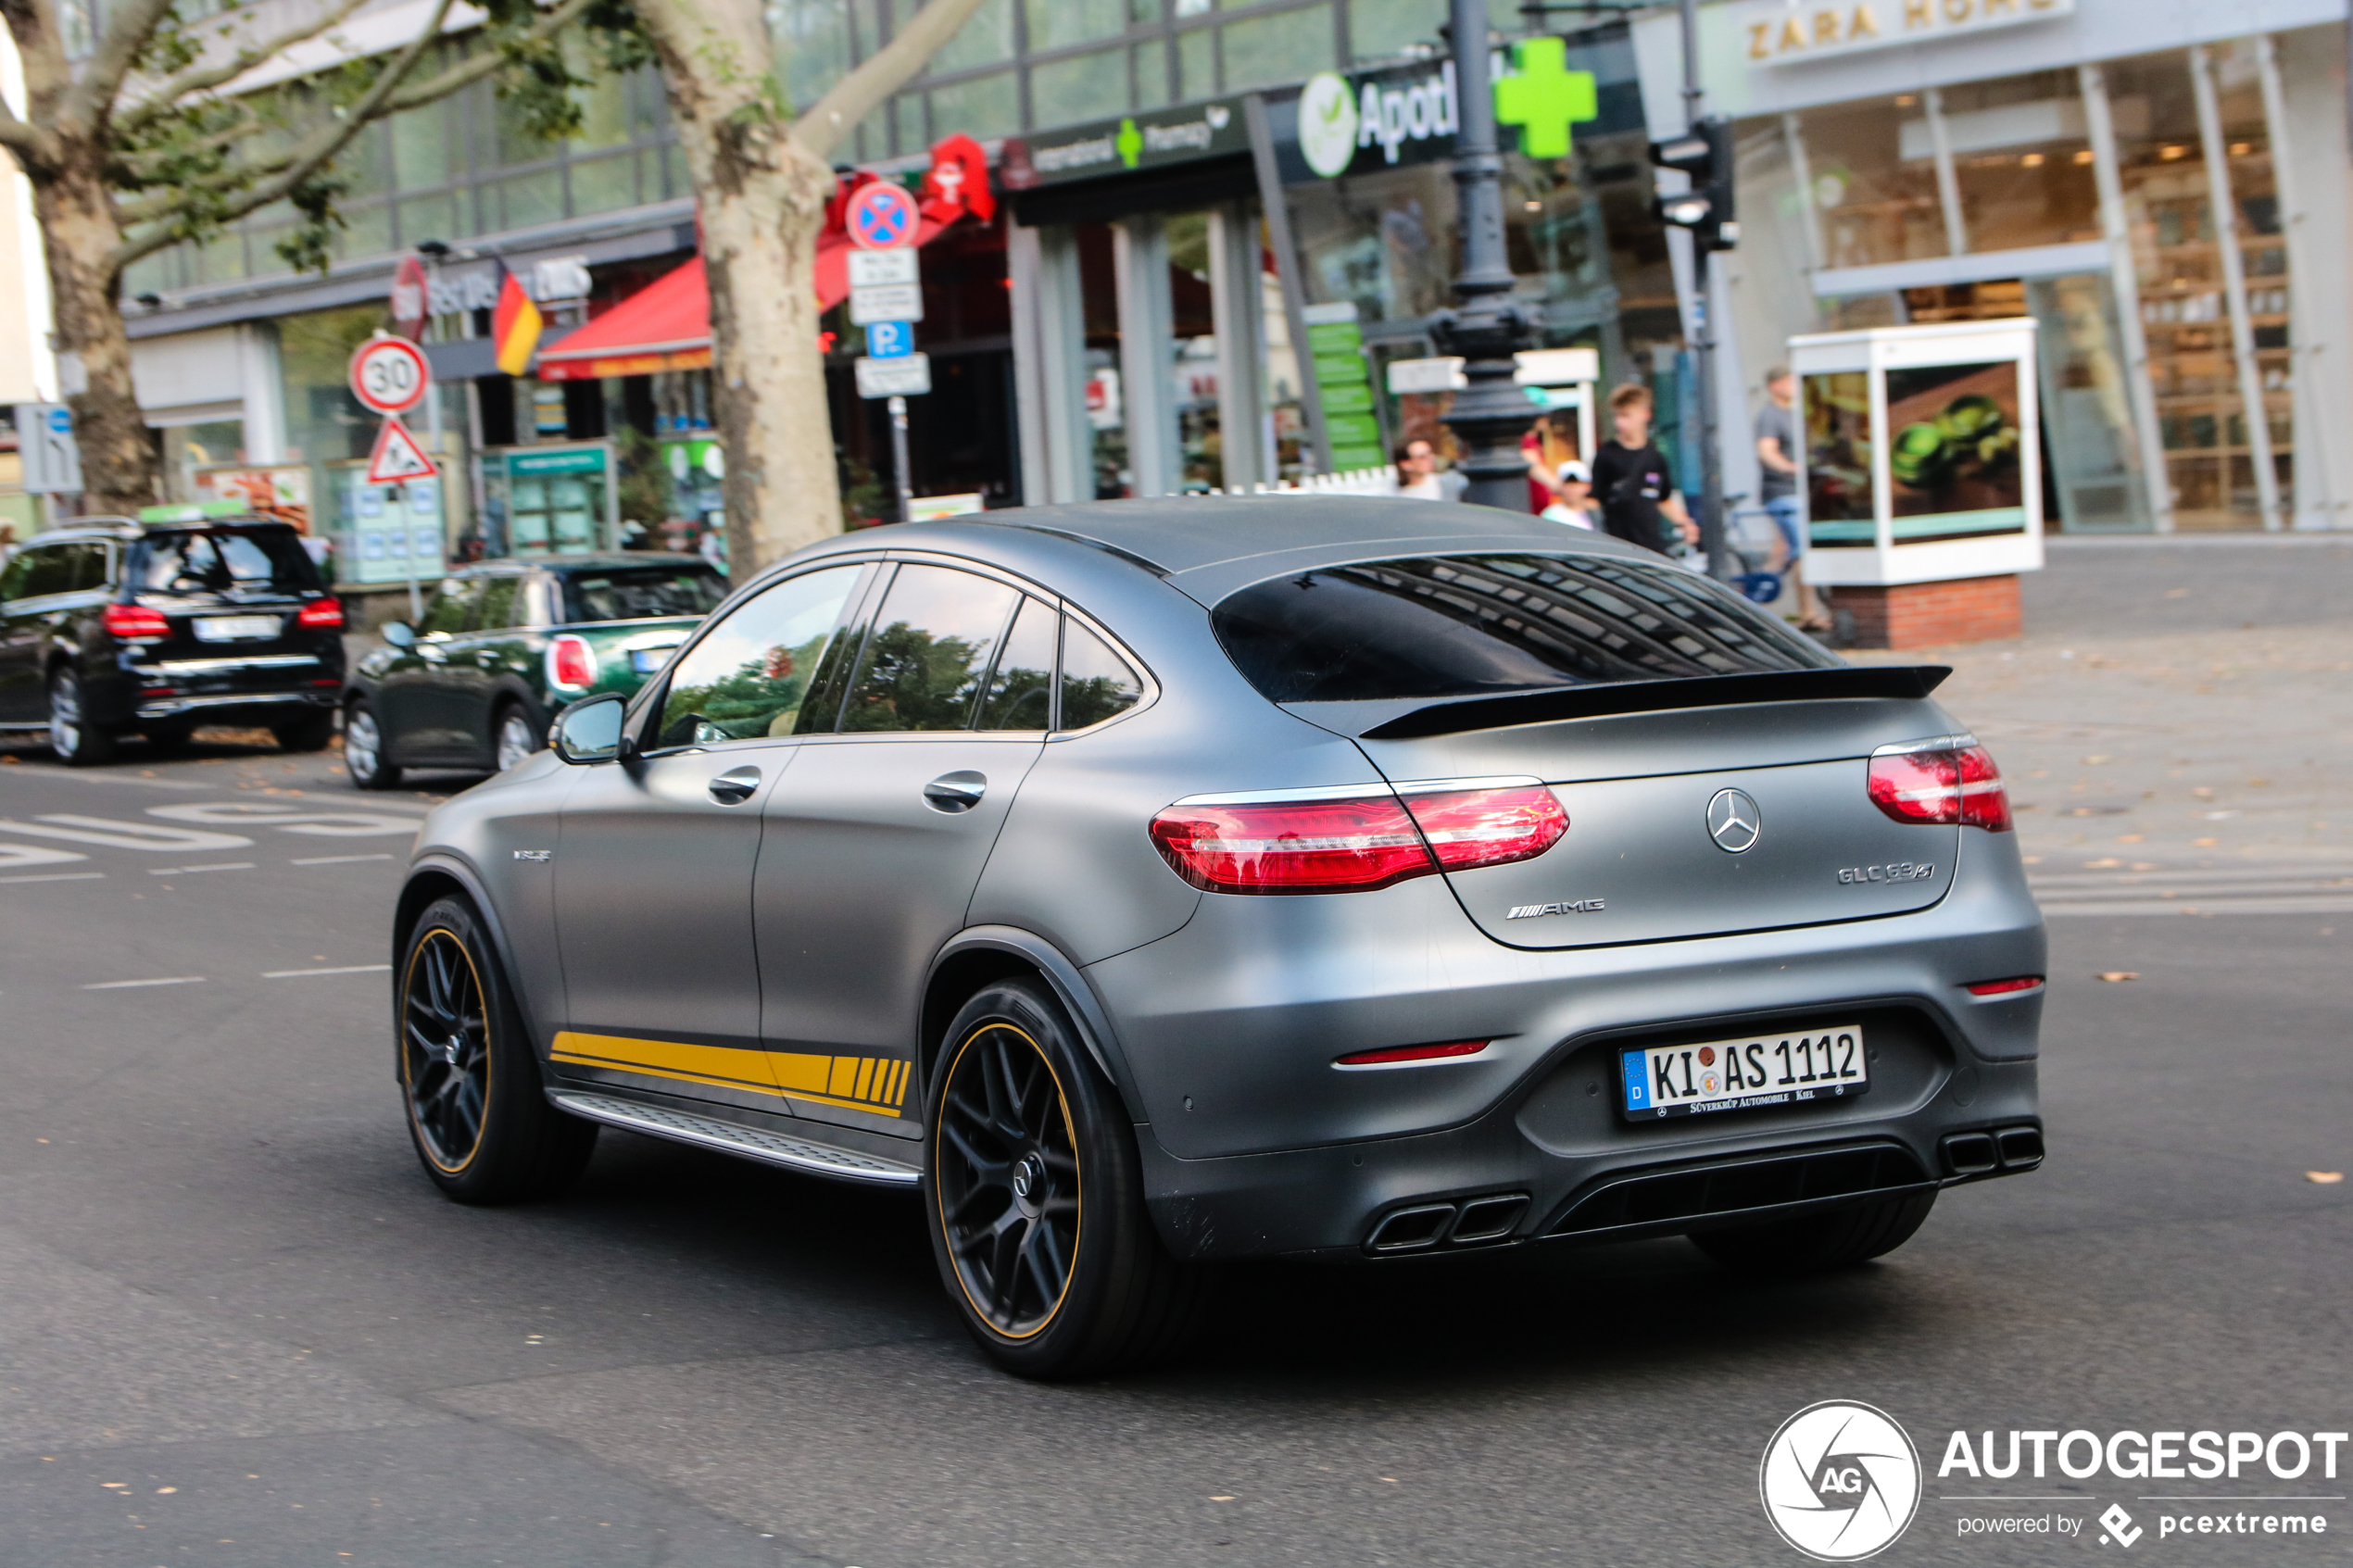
666	325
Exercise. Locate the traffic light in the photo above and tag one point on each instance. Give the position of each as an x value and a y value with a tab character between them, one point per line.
1704	153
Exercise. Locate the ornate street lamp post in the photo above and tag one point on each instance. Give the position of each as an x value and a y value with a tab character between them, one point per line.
1487	325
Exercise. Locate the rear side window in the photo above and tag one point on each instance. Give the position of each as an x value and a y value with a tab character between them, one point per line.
642	593
501	604
929	652
44	569
1021	689
748	676
1433	627
1096	682
254	562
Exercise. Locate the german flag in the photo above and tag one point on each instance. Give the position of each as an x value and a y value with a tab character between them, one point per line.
514	326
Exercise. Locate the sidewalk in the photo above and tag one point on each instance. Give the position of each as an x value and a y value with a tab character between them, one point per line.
2176	725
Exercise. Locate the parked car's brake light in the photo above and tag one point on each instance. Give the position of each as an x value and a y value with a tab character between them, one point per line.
1353	845
134	620
1949	779
1489	827
572	664
320	615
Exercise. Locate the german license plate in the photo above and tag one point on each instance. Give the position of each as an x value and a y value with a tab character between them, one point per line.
236	628
1777	1069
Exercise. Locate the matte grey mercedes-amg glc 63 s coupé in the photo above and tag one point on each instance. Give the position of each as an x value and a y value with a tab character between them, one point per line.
1149	884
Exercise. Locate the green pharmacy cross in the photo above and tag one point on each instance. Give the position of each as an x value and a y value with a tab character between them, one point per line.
1543	98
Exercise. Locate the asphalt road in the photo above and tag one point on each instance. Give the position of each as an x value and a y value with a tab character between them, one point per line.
237	1326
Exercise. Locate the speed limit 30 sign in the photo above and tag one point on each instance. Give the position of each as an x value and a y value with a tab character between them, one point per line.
389	375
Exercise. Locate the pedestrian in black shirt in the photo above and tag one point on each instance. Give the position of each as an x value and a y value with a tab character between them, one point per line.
1632	480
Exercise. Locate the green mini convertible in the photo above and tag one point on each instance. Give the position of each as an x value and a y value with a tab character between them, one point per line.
503	646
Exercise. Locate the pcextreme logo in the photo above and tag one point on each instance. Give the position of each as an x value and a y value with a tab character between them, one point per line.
1840	1481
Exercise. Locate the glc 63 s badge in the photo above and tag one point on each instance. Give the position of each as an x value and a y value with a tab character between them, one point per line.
1902	871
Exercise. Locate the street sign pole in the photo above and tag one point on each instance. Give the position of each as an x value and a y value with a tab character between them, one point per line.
897	406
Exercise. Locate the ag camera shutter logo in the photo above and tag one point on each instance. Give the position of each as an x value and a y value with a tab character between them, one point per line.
1840	1481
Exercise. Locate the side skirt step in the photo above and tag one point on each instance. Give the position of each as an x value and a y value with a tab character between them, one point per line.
731	1137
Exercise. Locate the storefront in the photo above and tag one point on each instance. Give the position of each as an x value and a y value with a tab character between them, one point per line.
1202	300
2162	190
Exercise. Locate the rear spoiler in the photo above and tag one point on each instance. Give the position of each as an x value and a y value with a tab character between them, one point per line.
1455	715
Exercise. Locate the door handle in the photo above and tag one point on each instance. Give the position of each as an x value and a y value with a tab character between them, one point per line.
959	791
734	787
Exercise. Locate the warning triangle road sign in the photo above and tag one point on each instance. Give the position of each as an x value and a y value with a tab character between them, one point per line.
398	458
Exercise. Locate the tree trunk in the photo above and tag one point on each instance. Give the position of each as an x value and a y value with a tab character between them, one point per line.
761	198
121	469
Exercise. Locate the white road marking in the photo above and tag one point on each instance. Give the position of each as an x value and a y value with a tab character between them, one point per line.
60	876
224	866
347	969
337	859
36	855
123	836
289	819
133	984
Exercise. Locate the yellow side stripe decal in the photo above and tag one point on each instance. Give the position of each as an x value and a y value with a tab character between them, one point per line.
856	1083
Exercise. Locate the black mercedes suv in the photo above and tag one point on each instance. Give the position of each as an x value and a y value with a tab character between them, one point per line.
108	627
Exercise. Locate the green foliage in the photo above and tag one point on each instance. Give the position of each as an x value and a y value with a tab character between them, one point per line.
193	168
644	493
762	697
915	680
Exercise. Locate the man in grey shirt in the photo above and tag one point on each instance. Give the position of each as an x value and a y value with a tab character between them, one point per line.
1777	438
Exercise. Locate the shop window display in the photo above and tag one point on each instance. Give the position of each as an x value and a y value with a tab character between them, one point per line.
1874	189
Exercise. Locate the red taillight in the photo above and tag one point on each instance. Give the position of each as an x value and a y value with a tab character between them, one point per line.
572	662
134	620
1489	827
1953	780
1292	846
320	615
1388	1054
2004	987
1355	845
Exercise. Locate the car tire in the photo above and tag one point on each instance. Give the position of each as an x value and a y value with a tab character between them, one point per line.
313	732
1818	1243
363	748
1033	1187
77	742
470	1083
513	736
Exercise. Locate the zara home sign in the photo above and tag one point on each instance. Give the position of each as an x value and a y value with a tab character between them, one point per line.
1781	34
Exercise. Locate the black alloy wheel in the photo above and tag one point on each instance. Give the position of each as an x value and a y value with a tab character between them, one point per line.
312	732
478	1107
445	1063
77	742
1008	1180
1036	1208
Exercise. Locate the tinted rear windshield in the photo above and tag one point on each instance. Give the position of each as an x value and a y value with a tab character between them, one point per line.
1434	626
642	593
240	563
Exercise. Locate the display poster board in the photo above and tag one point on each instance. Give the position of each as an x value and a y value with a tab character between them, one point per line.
384	533
555	500
1920	457
280	492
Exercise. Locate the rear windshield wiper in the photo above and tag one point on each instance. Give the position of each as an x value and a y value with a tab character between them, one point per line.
1454	715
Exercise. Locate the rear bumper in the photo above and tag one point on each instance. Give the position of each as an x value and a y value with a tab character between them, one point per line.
1257	1145
227	707
263	688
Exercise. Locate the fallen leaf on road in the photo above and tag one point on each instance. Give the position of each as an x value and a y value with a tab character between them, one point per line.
2326	1178
2132	837
2113	974
2205	843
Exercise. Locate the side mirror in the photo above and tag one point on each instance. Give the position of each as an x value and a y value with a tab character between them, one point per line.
400	634
589	731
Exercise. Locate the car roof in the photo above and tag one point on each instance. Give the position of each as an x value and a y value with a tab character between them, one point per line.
1208	546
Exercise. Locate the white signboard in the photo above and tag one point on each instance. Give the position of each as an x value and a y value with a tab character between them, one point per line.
870	269
887	302
52	457
906	376
1787	32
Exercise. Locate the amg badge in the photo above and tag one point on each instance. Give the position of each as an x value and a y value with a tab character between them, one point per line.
1902	871
535	854
1574	907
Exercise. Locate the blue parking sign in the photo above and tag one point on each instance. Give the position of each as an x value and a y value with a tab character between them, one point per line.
890	340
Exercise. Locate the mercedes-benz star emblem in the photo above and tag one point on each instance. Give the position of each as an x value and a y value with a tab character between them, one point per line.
1733	820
